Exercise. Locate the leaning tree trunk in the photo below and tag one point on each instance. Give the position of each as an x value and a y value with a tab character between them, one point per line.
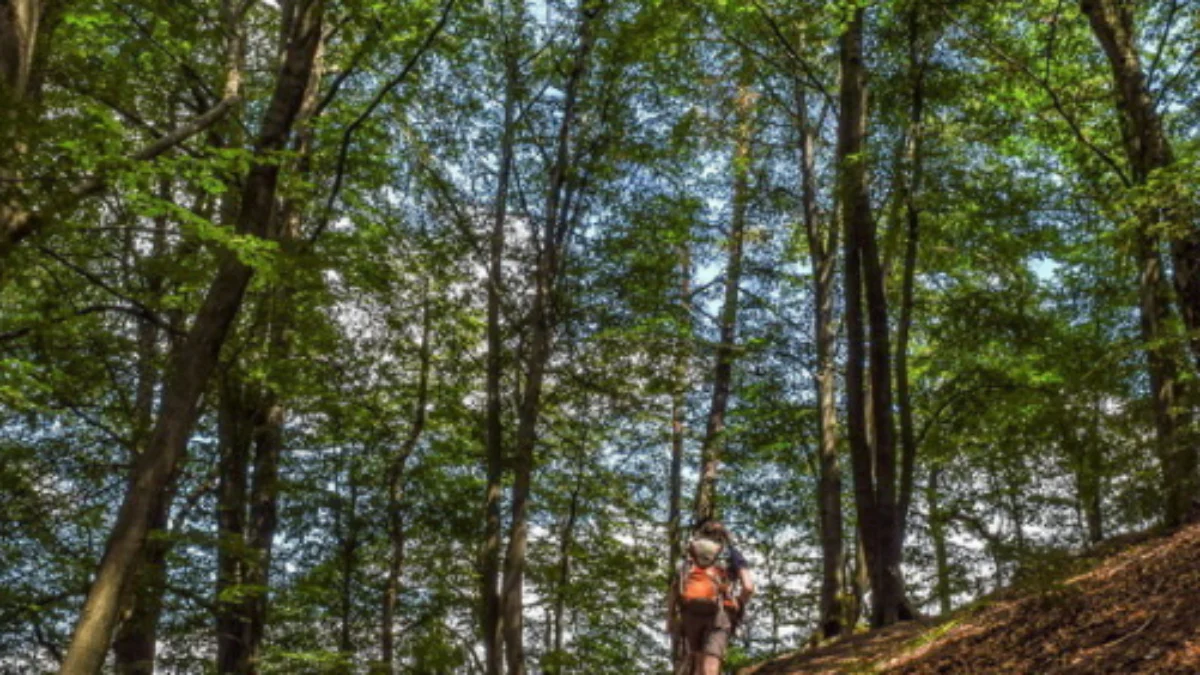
135	647
1148	150
714	430
822	252
194	362
136	643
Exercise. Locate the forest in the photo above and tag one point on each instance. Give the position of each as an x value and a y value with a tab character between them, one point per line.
355	336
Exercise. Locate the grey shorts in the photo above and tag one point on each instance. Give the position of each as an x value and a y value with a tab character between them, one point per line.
707	634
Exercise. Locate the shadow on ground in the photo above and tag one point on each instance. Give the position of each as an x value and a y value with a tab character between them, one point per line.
1138	611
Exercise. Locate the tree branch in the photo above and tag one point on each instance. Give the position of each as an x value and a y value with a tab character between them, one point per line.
384	91
1055	99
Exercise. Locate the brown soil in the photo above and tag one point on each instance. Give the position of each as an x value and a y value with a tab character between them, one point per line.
1138	611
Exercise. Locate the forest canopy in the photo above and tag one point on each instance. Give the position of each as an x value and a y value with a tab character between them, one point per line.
344	336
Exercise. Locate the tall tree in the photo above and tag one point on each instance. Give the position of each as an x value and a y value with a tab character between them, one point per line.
195	360
395	496
679	384
512	16
550	237
914	159
822	253
1148	150
870	425
705	505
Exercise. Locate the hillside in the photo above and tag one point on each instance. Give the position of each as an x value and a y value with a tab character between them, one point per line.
1137	610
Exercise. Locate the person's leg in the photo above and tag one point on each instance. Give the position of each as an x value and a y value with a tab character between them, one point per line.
716	643
694	630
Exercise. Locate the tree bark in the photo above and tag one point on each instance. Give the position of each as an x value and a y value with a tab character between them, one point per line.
872	454
915	158
1165	387
19	21
235	421
548	246
714	430
23	24
193	364
1147	150
822	252
135	646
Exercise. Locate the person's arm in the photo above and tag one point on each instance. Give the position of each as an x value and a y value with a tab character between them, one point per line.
747	582
744	576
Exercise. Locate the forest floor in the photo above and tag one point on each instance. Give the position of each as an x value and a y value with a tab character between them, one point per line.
1136	609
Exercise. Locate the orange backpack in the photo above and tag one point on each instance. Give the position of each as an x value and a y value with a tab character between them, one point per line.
703	588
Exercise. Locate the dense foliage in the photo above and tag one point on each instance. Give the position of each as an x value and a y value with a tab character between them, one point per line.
326	324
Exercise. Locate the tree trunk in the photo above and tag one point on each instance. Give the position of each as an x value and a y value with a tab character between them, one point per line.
1087	465
348	515
235	437
1155	315
23	24
858	583
195	361
822	251
271	416
872	454
678	436
1147	150
135	646
548	247
19	21
396	529
937	532
566	541
1093	485
490	554
915	159
714	431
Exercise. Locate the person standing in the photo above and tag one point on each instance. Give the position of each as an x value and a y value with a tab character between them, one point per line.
703	608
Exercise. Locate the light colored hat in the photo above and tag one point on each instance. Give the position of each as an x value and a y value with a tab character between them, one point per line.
705	551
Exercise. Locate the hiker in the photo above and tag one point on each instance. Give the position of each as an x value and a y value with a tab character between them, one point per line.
702	608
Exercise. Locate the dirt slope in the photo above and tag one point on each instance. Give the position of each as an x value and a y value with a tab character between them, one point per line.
1138	611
